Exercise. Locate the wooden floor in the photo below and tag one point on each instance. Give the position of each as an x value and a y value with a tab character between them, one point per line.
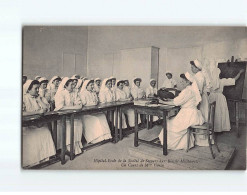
123	155
197	158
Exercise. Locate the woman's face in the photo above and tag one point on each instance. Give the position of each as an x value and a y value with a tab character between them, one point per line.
194	69
90	87
153	83
184	83
56	83
43	85
34	91
169	76
120	86
98	83
126	83
138	83
109	84
74	83
69	87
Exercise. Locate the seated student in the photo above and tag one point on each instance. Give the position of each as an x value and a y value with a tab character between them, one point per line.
113	80
75	80
222	120
43	86
127	89
65	100
51	90
37	142
121	96
96	128
136	91
188	115
97	82
106	94
77	87
169	81
151	91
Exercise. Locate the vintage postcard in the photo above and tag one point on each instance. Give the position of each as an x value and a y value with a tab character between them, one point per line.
134	98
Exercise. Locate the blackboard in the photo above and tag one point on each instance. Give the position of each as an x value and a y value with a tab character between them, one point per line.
230	70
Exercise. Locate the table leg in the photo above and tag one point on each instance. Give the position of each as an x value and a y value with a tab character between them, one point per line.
54	132
136	129
63	120
72	136
151	121
237	117
164	133
147	118
111	114
116	124
120	123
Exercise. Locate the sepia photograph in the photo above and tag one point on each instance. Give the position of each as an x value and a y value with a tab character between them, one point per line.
133	97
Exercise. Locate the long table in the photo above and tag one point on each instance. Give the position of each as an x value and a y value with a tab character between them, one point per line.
162	111
116	107
54	116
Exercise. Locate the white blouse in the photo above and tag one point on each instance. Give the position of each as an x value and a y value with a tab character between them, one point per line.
66	98
137	92
30	103
151	91
120	94
127	91
89	98
106	96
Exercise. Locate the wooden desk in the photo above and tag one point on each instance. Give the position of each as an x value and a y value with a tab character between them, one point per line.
156	111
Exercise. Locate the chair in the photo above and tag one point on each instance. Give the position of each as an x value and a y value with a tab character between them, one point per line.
207	129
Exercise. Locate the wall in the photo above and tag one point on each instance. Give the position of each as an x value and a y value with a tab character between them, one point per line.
49	51
178	45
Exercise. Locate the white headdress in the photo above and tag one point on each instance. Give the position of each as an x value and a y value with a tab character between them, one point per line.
198	64
26	86
103	86
194	87
37	77
43	79
62	84
49	85
75	76
79	82
97	79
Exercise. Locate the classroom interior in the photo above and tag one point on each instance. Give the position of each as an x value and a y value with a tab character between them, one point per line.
104	51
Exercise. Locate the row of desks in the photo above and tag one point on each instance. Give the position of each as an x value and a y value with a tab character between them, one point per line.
112	107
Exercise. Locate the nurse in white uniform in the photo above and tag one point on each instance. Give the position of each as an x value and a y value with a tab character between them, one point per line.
65	100
188	115
196	68
96	128
222	120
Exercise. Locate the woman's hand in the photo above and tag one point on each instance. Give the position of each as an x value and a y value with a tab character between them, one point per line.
241	71
78	106
42	111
